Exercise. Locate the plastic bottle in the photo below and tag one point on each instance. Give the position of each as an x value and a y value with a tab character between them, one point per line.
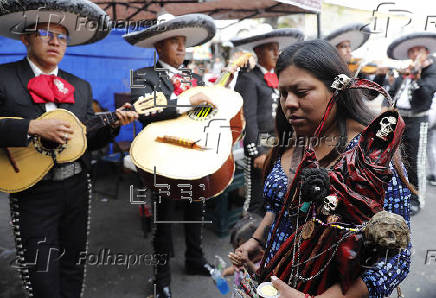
220	282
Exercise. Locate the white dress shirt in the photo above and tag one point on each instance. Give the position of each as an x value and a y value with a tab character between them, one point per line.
182	101
275	95
403	101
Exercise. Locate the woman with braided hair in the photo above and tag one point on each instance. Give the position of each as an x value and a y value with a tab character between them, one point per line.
306	71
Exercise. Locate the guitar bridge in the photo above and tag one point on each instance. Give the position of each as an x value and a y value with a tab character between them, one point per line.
182	142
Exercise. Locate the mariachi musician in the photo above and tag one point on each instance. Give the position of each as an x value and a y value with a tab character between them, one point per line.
347	39
50	224
350	38
258	89
413	95
170	37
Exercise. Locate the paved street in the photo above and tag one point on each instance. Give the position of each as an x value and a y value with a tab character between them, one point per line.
116	227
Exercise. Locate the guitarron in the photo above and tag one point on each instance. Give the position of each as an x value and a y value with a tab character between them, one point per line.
190	157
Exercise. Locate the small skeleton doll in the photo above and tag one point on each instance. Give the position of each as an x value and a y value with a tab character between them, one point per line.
387	125
327	246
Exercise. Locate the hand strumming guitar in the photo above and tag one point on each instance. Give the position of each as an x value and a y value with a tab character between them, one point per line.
54	130
200	98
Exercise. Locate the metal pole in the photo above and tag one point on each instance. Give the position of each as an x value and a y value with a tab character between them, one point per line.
318	24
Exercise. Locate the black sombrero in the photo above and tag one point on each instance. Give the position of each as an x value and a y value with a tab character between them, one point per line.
197	28
356	33
285	38
397	50
85	21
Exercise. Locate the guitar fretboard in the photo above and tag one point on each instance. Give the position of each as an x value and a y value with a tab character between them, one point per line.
108	118
100	120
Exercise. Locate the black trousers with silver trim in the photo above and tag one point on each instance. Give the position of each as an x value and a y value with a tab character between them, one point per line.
163	239
50	222
254	201
415	143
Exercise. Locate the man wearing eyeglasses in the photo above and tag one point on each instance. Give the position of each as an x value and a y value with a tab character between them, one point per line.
50	219
45	49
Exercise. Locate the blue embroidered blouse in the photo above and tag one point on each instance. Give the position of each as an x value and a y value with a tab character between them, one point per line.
385	275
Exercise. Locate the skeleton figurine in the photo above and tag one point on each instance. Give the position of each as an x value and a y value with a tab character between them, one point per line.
330	204
341	82
387	125
387	230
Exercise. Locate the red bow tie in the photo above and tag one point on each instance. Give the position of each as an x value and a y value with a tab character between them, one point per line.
409	76
50	88
182	83
271	80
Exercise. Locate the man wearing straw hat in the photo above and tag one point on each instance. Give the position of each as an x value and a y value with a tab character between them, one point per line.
51	219
170	37
258	89
413	96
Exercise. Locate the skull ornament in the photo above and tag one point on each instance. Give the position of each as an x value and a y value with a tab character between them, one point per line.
387	230
341	82
386	127
330	204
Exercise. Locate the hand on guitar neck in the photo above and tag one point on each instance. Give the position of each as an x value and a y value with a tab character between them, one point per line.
200	98
59	131
125	115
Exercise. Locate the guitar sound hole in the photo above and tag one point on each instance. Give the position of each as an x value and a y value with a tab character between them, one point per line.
202	113
46	147
49	145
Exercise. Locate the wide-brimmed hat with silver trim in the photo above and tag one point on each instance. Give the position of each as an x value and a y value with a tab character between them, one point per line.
197	28
85	21
284	37
398	48
357	34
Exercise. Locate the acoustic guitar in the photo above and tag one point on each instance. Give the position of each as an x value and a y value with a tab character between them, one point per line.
23	167
191	156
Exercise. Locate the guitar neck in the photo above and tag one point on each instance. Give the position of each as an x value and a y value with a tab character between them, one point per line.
100	120
108	118
224	79
149	103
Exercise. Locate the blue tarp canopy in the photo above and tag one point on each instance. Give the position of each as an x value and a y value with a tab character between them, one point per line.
105	65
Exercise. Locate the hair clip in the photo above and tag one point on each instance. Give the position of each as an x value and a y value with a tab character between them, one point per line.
341	82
